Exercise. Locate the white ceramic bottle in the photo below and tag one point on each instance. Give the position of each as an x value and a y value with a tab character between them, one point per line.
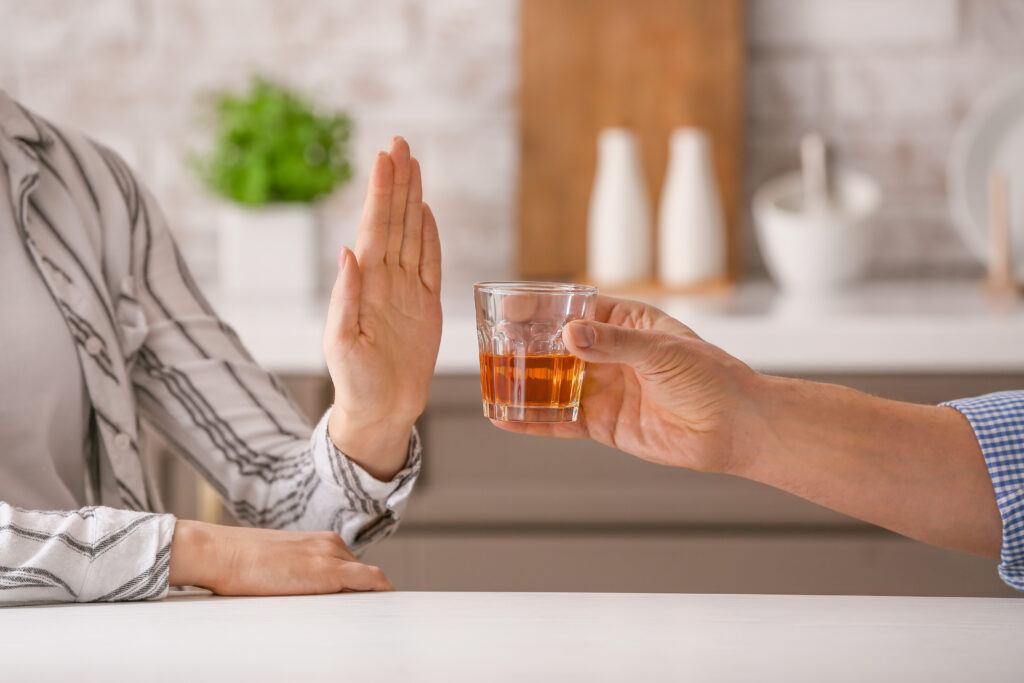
619	221
691	230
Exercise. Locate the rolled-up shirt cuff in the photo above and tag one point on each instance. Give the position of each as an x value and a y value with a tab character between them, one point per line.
367	493
998	423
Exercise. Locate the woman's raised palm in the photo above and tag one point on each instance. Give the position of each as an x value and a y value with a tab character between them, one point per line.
384	322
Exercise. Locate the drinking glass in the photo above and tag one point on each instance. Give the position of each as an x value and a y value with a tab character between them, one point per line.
526	375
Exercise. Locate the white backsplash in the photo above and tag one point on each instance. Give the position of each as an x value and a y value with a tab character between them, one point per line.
886	80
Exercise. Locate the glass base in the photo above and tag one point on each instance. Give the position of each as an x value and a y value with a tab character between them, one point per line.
509	413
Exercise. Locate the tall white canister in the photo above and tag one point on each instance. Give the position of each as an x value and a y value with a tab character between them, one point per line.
691	229
619	222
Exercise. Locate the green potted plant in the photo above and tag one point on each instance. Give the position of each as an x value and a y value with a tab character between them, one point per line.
272	157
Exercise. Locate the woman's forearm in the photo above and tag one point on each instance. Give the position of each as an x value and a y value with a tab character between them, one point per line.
915	469
95	553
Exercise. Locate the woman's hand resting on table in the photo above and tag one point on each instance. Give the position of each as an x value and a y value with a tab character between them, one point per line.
384	321
240	561
652	388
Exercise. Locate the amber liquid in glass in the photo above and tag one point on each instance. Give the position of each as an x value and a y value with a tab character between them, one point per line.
549	381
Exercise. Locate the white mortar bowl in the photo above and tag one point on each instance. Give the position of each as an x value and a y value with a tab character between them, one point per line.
814	253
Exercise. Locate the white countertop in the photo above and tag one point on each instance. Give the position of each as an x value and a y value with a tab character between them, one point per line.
899	327
494	637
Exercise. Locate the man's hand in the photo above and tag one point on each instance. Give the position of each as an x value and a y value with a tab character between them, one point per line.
652	388
656	390
240	561
384	323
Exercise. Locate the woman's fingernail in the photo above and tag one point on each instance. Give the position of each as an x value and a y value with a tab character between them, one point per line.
342	258
582	335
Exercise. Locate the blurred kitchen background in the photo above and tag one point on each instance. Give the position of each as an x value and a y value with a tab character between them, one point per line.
886	83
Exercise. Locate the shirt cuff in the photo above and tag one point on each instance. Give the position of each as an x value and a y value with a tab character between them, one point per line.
131	555
998	423
367	493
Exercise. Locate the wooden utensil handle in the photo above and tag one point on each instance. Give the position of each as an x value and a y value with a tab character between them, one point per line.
1000	266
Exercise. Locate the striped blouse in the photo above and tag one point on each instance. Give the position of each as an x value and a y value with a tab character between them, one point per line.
151	348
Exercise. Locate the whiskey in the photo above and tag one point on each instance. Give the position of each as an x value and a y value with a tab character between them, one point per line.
542	388
526	375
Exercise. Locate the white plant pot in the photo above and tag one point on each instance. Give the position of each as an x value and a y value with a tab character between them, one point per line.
268	252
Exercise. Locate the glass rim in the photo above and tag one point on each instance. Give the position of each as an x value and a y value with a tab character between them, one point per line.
534	287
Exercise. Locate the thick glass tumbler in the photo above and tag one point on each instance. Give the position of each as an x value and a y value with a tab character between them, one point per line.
526	375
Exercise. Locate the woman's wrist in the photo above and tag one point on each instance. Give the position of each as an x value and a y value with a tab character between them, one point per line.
194	559
381	447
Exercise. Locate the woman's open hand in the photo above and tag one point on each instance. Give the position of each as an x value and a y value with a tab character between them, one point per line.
240	561
653	388
384	323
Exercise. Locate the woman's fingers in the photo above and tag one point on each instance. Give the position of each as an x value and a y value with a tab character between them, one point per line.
343	311
372	241
396	226
402	164
412	238
430	253
362	577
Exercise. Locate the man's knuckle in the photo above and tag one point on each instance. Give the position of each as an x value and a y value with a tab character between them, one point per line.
663	354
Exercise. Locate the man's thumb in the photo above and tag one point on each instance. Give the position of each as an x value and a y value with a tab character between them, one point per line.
603	343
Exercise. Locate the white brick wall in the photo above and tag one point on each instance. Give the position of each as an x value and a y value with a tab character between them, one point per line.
442	73
784	89
346	28
97	29
886	80
828	24
995	24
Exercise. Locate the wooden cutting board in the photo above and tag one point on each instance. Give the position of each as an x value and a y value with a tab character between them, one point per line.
651	65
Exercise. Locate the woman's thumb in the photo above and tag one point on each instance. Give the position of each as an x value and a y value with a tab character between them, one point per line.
603	343
343	311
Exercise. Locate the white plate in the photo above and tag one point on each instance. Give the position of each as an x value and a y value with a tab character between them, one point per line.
992	137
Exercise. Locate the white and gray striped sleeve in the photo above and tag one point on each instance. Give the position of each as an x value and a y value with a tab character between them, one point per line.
92	554
230	418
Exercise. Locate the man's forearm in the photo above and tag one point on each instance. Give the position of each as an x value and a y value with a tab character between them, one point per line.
915	469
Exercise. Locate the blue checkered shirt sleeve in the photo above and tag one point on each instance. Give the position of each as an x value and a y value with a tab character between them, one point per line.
998	422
